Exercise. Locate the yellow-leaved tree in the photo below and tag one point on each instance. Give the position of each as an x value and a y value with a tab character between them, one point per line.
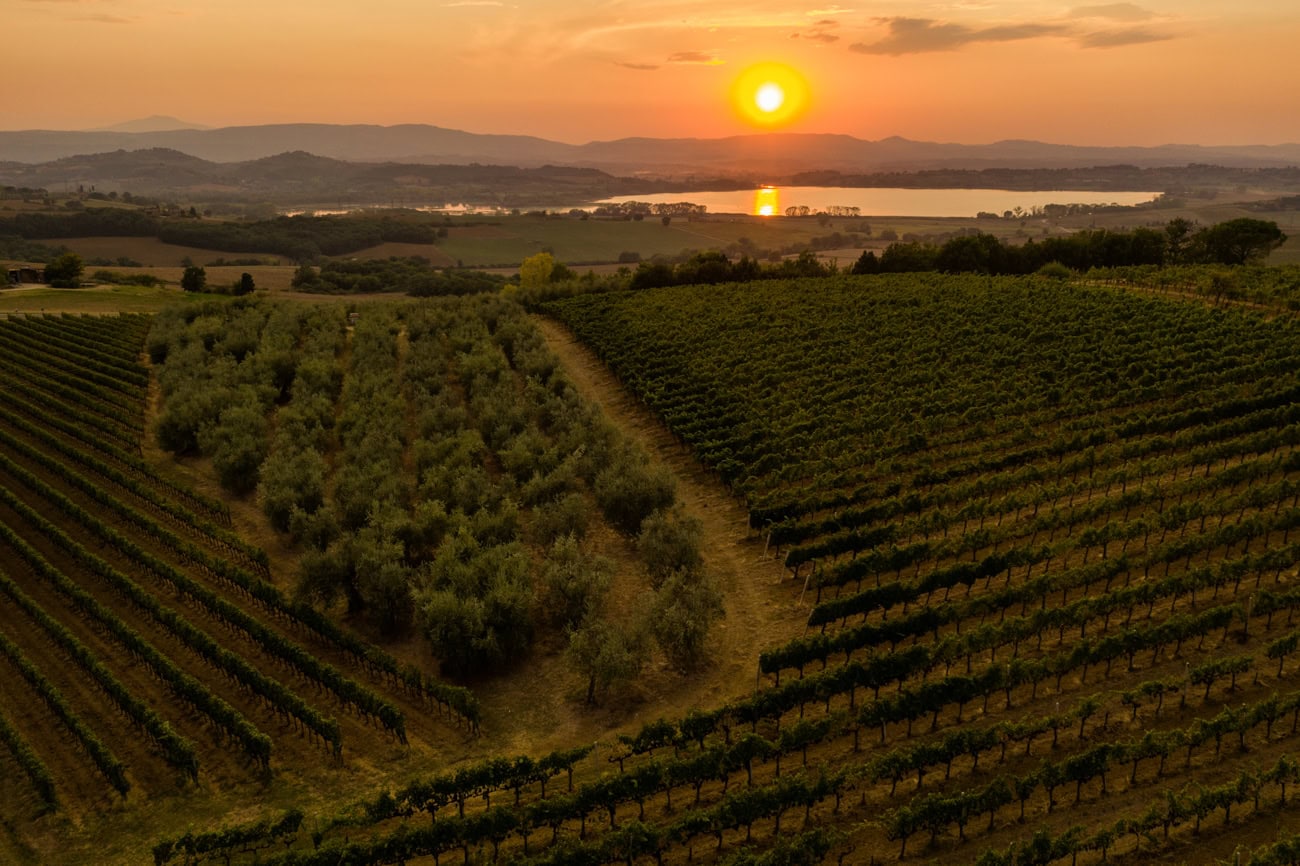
535	271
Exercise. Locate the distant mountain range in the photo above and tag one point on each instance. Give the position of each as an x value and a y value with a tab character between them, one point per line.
298	178
153	123
301	178
743	155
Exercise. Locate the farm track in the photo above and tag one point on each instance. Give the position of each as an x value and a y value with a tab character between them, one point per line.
757	616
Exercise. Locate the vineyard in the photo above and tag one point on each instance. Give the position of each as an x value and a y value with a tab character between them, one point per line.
144	654
1045	537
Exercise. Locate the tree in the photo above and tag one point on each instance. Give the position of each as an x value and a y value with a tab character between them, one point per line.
980	253
867	263
65	271
1177	234
305	277
1239	241
194	279
573	583
670	542
630	490
246	285
605	654
684	610
291	479
535	271
238	444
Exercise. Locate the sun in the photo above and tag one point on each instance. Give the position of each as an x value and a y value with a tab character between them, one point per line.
770	97
769	94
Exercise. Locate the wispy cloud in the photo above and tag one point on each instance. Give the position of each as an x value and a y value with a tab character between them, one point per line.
819	32
700	58
1113	11
826	38
1118	38
459	4
644	67
924	35
70	12
921	35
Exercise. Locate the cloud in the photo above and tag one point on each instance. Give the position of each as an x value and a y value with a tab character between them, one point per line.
1113	11
818	32
645	67
920	35
1117	38
472	3
701	58
816	36
105	19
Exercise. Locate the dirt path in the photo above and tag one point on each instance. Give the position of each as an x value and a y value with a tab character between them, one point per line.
761	608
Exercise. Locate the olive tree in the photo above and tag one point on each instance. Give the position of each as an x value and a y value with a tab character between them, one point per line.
670	541
629	490
574	583
685	608
605	653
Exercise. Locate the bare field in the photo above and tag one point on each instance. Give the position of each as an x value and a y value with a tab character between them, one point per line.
434	254
270	277
147	251
98	300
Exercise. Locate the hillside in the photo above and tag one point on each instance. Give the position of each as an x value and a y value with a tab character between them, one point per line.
1036	538
777	153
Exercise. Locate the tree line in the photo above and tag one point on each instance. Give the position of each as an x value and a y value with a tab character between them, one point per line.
712	267
412	275
1235	242
301	238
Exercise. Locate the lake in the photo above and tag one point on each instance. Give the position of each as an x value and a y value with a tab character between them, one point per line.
773	201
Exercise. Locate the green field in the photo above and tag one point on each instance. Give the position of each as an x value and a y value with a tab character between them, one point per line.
97	299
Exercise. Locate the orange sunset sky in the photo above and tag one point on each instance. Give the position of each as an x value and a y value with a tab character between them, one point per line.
1147	72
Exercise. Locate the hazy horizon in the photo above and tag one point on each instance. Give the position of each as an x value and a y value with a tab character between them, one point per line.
1120	73
205	127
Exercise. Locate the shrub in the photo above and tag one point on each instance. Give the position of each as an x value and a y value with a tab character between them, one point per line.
629	491
573	584
669	542
684	610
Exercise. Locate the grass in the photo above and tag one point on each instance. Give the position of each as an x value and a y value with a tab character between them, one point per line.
149	251
99	299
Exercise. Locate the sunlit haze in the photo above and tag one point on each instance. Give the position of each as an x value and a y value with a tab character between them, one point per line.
1146	72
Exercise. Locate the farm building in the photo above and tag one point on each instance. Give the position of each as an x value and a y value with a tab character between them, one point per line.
18	276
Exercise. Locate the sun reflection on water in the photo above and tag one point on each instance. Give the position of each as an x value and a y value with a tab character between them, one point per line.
767	201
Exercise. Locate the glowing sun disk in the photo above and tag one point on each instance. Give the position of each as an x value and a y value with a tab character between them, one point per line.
769	97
